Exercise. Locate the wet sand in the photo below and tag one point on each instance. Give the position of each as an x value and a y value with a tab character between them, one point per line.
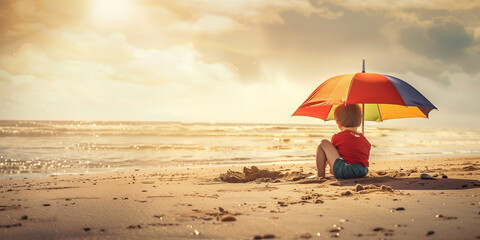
274	201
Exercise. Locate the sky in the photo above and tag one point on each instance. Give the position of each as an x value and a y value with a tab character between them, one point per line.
241	61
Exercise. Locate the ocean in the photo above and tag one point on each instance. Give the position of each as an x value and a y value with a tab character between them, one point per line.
42	148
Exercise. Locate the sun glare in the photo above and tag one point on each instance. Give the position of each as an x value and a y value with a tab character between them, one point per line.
111	12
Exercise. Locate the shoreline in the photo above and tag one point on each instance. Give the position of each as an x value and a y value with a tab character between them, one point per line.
95	171
392	202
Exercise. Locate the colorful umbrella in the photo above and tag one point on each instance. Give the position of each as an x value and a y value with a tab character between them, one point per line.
381	96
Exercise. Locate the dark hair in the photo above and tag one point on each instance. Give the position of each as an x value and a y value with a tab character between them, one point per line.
349	115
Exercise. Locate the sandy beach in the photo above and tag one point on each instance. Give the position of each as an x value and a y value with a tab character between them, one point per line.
278	201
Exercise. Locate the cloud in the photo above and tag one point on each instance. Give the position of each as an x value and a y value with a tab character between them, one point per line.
175	83
208	24
380	5
266	11
456	101
443	38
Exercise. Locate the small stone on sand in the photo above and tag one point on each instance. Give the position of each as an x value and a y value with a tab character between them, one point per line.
358	187
306	236
430	233
426	176
24	217
346	193
386	188
229	219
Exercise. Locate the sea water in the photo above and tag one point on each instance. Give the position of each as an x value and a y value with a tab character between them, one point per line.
40	148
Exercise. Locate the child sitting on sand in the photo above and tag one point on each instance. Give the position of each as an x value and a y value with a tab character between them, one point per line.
349	150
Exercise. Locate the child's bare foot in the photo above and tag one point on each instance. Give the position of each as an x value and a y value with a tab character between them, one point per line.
319	175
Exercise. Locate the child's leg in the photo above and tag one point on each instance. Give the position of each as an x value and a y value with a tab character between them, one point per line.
328	155
321	161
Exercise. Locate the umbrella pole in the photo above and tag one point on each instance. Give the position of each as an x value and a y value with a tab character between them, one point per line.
363	118
363	104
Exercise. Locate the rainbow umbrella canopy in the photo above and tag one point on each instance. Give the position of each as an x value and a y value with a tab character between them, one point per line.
380	96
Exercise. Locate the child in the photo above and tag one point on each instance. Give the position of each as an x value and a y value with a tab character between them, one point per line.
349	150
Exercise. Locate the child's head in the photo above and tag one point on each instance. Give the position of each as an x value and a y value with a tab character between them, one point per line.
348	115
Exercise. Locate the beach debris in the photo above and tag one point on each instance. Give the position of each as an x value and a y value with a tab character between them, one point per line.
470	168
219	214
309	180
134	226
440	216
282	203
312	198
306	236
426	176
430	233
266	236
392	174
232	177
335	229
372	188
296	176
11	225
250	174
229	219
346	193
